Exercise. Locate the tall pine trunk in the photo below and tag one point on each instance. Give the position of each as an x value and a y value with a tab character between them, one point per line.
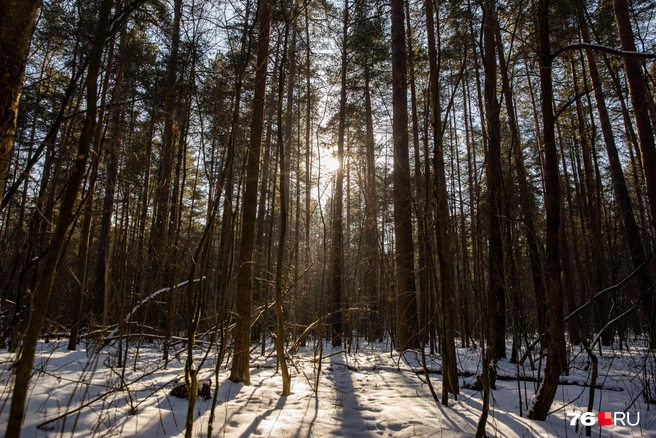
48	268
640	101
446	286
620	188
406	299
17	18
527	200
284	213
371	217
547	389
337	247
240	371
496	289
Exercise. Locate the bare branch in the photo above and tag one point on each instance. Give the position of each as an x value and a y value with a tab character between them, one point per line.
602	48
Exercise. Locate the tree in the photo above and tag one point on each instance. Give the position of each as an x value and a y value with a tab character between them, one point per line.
48	268
16	28
620	187
639	101
102	294
527	199
240	371
371	214
337	241
549	384
641	109
284	209
160	251
406	299
442	222
496	289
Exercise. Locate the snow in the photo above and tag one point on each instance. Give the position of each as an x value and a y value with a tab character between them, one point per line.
371	393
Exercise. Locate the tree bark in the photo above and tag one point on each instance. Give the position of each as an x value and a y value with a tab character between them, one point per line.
593	212
640	102
337	241
371	216
160	230
549	385
527	200
284	209
620	188
406	299
419	186
496	289
240	371
308	146
17	19
48	270
101	289
442	222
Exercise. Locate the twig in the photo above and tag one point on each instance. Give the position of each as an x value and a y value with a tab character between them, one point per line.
602	48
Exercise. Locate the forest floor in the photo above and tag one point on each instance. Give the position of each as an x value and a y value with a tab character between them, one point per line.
370	393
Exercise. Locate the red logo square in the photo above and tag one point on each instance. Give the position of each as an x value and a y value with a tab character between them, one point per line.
605	419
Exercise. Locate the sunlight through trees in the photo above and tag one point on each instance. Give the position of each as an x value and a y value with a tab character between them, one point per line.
224	181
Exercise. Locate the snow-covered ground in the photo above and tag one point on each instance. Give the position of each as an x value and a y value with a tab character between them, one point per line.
366	394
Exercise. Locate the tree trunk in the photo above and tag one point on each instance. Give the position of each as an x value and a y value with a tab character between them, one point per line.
17	18
308	146
442	223
284	208
101	289
549	385
48	270
640	103
620	188
160	230
406	299
496	302
419	192
593	211
336	247
240	371
496	289
527	201
80	287
371	217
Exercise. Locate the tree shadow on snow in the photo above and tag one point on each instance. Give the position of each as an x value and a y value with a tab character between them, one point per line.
501	423
348	410
252	428
310	423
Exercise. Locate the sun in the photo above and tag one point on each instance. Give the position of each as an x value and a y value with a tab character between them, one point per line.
332	164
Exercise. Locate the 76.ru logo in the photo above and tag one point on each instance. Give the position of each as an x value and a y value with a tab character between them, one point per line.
604	418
